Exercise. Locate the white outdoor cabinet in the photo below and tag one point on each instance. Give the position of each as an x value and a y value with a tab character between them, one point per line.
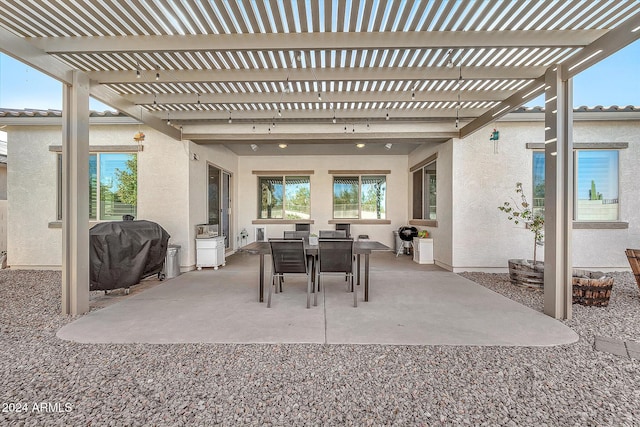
423	250
210	252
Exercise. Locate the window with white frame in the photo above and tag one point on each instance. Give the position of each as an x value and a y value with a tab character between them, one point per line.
596	184
284	197
113	185
359	197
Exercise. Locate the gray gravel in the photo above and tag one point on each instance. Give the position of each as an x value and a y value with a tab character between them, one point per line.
209	384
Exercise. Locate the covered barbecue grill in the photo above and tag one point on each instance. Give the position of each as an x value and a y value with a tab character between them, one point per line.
121	253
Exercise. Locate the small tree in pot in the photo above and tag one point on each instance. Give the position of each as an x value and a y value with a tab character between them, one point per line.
522	211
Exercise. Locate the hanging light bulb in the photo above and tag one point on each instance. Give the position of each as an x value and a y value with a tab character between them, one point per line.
168	119
157	75
137	74
198	99
230	120
319	96
154	99
413	95
450	60
387	117
334	120
279	112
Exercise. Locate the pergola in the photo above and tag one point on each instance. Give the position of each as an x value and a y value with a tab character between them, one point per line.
317	74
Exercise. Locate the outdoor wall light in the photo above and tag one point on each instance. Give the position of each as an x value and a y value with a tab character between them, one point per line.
388	146
254	147
282	145
360	145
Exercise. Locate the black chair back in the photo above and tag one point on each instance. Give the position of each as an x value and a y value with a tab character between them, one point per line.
288	256
303	227
333	234
335	255
296	235
345	227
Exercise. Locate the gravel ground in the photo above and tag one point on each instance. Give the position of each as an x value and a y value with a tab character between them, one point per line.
45	381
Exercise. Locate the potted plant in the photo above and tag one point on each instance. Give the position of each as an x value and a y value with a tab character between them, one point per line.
526	272
313	239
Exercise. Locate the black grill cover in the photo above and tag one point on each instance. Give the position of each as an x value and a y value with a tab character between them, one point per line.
121	253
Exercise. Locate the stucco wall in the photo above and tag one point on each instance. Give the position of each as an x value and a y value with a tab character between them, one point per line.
473	180
163	179
483	238
322	191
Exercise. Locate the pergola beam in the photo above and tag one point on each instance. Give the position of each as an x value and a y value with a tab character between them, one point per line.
317	75
514	101
426	115
316	41
306	97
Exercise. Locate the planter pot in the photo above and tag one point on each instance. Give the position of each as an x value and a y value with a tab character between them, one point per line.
522	272
591	288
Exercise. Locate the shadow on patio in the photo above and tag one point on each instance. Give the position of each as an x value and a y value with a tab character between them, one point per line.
410	304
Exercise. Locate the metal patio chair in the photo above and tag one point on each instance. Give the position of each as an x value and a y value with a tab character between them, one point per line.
333	234
288	234
288	257
335	256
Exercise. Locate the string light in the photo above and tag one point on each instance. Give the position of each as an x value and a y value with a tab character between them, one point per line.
230	120
319	96
168	119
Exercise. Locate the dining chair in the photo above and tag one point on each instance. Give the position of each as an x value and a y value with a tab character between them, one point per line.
335	256
288	257
333	234
288	234
345	227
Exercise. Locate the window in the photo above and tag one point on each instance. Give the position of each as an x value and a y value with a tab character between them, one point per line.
424	192
596	184
359	197
538	183
117	192
284	197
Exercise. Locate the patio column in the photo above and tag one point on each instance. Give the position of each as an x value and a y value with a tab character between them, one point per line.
75	195
558	197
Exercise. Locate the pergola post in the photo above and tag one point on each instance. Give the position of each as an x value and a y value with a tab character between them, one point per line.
558	199
75	195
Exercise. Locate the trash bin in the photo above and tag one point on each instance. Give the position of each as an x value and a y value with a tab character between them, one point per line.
172	262
397	241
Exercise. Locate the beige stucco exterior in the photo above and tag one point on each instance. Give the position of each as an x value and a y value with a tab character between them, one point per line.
473	179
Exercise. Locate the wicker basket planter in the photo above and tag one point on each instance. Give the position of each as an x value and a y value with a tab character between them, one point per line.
591	288
523	273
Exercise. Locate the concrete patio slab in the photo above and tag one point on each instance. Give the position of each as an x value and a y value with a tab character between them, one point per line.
410	304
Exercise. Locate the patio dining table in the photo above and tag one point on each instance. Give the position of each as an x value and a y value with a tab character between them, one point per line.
360	247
